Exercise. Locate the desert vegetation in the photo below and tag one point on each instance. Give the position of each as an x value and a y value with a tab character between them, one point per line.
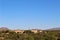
28	35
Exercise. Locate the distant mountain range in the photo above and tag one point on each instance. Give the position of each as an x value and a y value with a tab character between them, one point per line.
58	28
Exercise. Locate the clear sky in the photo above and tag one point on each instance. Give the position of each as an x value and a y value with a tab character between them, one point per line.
29	14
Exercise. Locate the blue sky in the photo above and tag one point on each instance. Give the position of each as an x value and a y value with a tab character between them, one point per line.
29	14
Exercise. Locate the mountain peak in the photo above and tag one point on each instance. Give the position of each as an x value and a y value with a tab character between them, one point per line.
3	28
